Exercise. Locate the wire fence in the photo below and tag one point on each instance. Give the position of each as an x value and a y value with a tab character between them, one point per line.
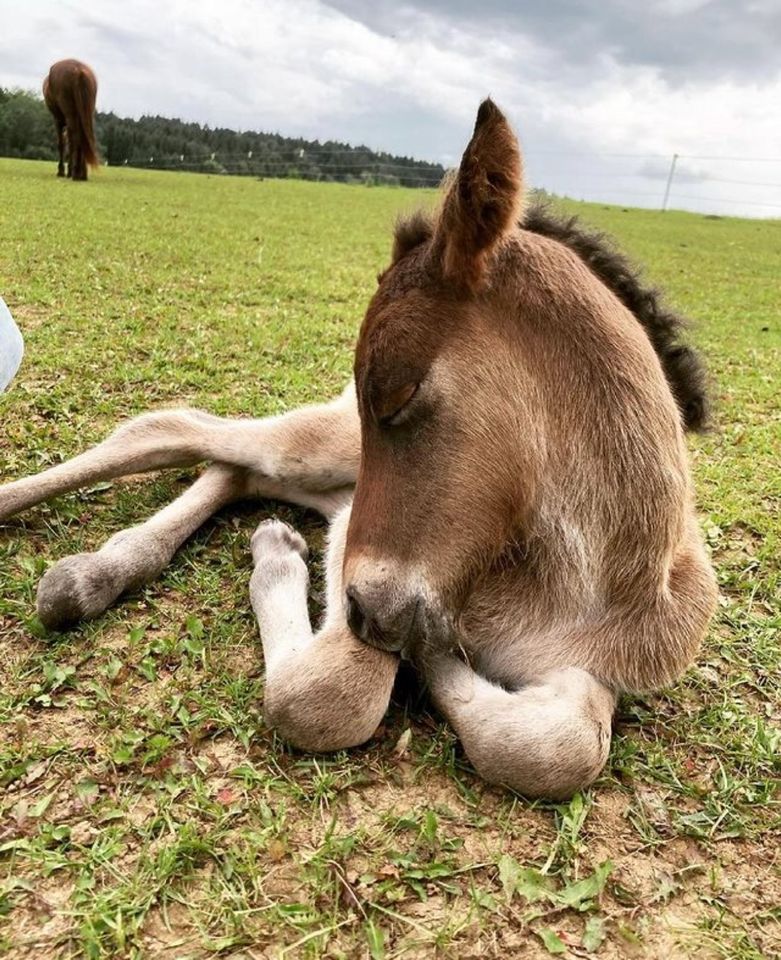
345	166
707	182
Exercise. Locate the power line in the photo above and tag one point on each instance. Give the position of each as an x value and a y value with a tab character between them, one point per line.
293	153
686	156
744	183
531	151
173	162
749	203
325	165
273	158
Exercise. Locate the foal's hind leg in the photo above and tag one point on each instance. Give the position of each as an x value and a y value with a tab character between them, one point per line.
324	690
85	584
548	739
313	448
166	439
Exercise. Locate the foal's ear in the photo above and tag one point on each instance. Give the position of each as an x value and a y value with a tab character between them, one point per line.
483	202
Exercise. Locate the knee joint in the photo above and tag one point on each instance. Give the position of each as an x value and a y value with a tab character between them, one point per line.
554	766
314	718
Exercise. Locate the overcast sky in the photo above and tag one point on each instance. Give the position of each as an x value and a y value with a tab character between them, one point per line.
582	82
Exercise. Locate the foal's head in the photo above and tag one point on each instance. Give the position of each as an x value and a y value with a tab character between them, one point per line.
517	392
438	492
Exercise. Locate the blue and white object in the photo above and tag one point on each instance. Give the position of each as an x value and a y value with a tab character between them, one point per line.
11	346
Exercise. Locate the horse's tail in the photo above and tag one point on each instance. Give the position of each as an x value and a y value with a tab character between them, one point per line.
84	100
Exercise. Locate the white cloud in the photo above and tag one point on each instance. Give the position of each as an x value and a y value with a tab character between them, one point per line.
303	68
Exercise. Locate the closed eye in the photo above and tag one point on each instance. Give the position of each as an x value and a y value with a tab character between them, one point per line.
390	412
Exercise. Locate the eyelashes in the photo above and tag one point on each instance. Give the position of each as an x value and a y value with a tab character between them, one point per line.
390	411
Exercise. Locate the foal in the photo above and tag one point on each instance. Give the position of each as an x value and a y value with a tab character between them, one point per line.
506	484
70	90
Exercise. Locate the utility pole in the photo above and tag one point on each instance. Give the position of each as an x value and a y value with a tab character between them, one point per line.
669	182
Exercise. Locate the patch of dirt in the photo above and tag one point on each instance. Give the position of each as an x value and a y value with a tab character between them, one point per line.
172	935
30	316
67	725
224	754
40	919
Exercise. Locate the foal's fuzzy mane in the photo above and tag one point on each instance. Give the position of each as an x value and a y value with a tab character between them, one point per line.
681	363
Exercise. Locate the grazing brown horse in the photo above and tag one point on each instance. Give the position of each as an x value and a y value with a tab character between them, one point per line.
507	485
70	90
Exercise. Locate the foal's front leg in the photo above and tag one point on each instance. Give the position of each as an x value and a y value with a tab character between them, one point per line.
324	690
548	739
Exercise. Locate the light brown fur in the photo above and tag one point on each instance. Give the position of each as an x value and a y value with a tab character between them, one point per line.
509	498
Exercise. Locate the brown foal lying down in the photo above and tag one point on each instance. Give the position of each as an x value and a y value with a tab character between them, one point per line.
507	489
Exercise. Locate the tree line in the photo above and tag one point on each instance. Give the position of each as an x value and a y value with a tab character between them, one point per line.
27	131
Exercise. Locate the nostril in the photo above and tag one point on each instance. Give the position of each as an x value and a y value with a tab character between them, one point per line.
356	618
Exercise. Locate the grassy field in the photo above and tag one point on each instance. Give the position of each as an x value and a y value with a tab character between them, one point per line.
146	809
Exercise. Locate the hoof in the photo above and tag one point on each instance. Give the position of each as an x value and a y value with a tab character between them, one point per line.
76	588
274	539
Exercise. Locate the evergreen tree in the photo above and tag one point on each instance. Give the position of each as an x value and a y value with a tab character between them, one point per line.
27	130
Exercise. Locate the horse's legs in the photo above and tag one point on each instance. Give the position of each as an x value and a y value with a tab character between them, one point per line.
60	124
324	690
77	169
80	168
71	144
547	739
83	585
313	449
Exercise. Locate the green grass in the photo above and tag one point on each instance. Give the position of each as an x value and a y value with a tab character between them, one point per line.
146	809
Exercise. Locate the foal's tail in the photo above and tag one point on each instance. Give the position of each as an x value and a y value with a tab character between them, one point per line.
84	94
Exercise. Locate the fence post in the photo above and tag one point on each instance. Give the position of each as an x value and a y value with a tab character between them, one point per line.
669	182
